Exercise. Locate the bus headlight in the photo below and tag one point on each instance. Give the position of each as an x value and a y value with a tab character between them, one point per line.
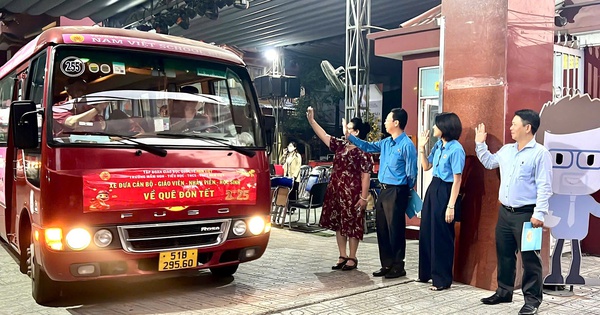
256	225
103	238
239	227
78	239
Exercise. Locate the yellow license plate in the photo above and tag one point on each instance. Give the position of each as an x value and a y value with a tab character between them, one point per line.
180	259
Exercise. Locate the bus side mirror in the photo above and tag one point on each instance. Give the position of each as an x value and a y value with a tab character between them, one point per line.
269	131
24	122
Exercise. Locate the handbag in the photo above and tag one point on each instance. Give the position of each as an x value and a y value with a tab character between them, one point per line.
415	204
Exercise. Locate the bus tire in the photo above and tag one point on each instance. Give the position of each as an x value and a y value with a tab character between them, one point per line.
226	271
43	289
24	248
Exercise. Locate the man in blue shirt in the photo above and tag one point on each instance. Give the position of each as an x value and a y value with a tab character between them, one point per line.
525	187
397	174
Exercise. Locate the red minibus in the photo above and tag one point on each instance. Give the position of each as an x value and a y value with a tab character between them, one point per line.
126	153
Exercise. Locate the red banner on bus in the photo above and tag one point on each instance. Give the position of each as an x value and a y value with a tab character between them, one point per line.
174	189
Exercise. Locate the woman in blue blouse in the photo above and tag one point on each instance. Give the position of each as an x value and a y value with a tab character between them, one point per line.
436	234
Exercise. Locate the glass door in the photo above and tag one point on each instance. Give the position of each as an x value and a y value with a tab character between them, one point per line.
429	107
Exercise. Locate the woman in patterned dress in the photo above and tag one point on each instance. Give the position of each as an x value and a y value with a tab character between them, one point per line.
348	189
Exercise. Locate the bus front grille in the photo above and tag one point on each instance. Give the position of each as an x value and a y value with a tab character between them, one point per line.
145	238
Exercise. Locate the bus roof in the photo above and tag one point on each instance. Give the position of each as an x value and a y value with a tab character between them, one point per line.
116	37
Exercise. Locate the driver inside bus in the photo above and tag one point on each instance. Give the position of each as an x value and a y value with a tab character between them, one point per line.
75	114
185	116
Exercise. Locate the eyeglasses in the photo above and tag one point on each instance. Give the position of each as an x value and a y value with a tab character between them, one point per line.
586	160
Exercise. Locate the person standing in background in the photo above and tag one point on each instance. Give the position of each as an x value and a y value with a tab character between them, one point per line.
291	161
397	175
436	233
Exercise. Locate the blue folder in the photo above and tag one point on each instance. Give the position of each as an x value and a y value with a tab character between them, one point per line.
415	204
531	238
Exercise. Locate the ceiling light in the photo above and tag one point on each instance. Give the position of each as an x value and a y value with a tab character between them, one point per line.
241	4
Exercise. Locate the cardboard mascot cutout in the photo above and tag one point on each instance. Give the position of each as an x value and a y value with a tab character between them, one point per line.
570	129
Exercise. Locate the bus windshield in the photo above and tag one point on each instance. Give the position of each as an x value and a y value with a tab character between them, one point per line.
101	95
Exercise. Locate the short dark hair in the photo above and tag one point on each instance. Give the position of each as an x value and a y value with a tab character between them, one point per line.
450	126
400	115
189	89
529	117
363	128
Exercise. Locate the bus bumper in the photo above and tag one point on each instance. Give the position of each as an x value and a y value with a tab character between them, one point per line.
117	263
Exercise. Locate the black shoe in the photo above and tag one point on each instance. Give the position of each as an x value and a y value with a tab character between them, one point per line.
496	299
395	272
528	309
340	265
346	267
381	272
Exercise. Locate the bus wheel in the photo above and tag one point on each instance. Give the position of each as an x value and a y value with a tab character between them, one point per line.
224	271
43	289
24	247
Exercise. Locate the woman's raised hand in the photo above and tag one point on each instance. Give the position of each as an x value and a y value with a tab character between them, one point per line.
310	114
423	138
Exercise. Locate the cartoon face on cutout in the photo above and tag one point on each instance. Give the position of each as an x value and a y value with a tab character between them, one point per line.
575	162
569	128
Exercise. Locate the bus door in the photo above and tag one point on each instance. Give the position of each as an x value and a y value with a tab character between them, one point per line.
28	162
7	87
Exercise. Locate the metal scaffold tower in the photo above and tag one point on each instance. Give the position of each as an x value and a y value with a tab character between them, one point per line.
358	25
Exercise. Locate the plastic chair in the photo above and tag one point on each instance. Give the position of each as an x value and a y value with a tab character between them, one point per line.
315	200
278	169
369	220
279	205
305	171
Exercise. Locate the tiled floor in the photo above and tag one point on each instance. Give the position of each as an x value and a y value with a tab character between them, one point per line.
293	277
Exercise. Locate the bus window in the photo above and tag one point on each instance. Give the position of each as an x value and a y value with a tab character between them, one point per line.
35	93
147	95
37	79
6	93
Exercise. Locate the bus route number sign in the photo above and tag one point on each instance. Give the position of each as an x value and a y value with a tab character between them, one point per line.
72	66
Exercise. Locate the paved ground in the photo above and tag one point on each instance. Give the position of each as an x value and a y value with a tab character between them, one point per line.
293	277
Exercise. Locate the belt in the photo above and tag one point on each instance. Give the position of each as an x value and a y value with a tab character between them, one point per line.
525	208
386	186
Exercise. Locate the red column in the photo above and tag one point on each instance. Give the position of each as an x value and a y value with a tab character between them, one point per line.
497	59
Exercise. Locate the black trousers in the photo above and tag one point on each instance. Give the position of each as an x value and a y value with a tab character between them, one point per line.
436	237
390	220
508	242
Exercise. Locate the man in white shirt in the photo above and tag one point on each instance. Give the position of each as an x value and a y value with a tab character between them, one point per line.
525	187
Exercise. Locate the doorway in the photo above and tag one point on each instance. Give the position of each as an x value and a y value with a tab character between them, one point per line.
429	107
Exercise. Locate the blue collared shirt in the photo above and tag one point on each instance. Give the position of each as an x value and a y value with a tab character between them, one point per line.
398	159
525	176
447	160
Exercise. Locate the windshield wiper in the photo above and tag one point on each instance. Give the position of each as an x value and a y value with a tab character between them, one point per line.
143	146
241	150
